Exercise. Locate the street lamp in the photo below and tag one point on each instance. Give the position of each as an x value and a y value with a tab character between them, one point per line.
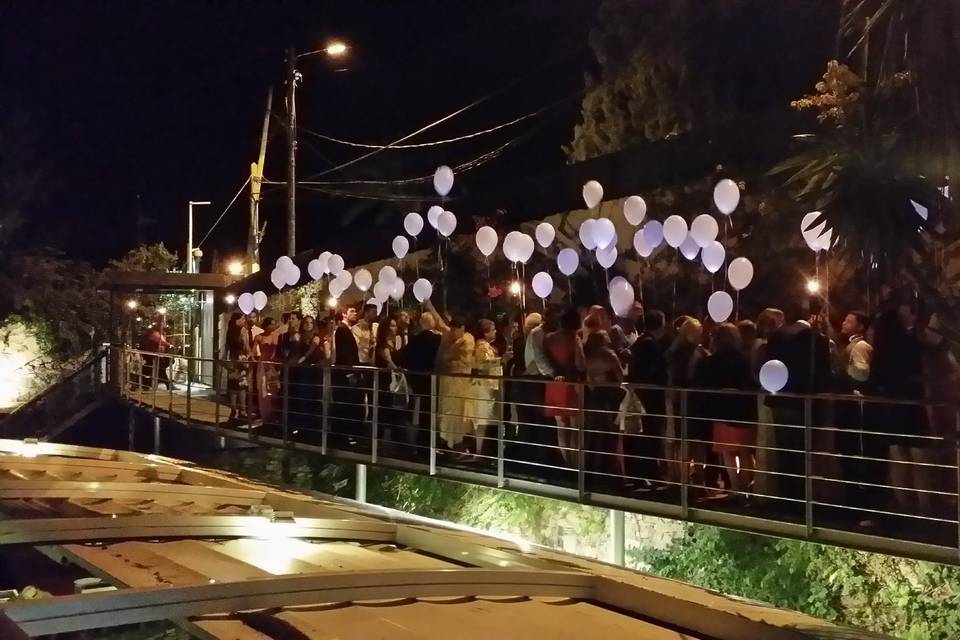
191	267
131	304
229	298
813	286
235	268
333	49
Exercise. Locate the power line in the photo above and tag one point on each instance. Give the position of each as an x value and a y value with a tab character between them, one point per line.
421	145
224	212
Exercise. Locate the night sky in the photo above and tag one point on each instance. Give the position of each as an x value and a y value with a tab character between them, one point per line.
136	107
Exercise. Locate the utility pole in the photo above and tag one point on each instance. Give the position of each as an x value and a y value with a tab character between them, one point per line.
256	181
292	77
191	266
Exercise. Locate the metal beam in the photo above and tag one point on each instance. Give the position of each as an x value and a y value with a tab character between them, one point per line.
66	530
73	613
45	489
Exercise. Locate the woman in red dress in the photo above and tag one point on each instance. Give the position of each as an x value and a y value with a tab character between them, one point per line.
562	400
268	375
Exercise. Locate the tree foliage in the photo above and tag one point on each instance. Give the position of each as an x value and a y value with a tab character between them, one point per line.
905	598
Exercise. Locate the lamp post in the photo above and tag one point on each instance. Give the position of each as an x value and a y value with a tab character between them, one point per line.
333	49
191	267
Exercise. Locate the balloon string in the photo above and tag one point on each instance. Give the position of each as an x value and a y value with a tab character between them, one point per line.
737	317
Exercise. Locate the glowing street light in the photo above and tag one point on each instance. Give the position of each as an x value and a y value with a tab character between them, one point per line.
515	288
335	48
229	298
131	304
235	268
162	311
332	302
813	286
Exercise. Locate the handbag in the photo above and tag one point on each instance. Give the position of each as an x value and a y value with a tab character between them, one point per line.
629	418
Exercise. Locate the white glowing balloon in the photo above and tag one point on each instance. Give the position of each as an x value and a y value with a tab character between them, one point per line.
413	224
388	275
604	233
622	298
486	240
335	288
617	281
568	261
284	261
278	277
292	274
443	180
382	290
653	233
259	300
640	244
447	224
545	233
543	284
586	234
704	229
592	193
344	279
811	232
398	289
315	269
335	265
324	259
774	375
363	280
511	246
824	241
726	195
674	230
719	306
377	303
607	257
921	210
245	303
422	290
740	273
634	210
525	248
400	247
433	215
689	248
713	256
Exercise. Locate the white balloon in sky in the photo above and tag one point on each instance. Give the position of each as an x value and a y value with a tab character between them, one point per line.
774	375
324	259
245	303
640	244
704	229
363	279
634	210
422	290
315	269
486	240
259	300
740	273
443	180
543	284
400	247
720	306
335	266
713	256
592	193
413	224
604	233
689	248
447	224
587	238
567	261
433	215
388	275
726	195
545	234
674	230
653	233
607	257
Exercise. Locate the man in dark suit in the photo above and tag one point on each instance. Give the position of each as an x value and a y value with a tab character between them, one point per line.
806	352
347	409
648	365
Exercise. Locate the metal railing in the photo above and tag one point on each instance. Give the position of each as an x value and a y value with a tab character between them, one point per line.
872	473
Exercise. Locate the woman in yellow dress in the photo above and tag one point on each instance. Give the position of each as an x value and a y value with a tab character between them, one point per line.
485	391
454	366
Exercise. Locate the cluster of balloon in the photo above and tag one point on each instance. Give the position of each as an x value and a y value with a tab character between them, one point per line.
285	273
389	286
340	283
247	302
774	376
518	247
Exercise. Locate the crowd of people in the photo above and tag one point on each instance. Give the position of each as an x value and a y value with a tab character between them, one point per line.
651	403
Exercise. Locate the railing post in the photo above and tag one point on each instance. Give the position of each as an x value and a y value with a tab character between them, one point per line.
189	392
581	456
617	537
360	490
375	417
156	434
216	396
285	404
684	455
325	410
155	381
808	464
501	433
131	429
433	424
